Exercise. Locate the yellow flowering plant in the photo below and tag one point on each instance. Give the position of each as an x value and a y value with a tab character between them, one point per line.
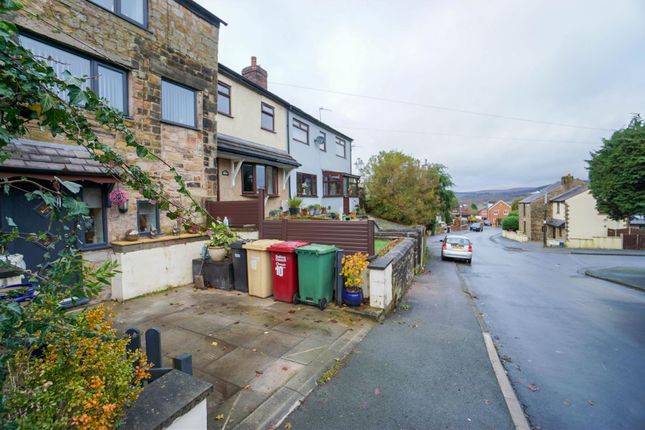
352	270
83	377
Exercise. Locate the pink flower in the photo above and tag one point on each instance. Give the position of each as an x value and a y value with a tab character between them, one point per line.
118	196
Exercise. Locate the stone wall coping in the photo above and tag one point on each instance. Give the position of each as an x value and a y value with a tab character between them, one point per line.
165	400
395	253
124	246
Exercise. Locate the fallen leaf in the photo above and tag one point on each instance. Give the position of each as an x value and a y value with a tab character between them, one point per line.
266	332
247	387
566	402
506	358
333	321
254	350
285	368
214	343
590	402
287	319
292	311
219	417
288	425
259	372
533	387
377	391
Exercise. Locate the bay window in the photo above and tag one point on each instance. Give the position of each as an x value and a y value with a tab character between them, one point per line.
306	185
332	184
107	81
178	104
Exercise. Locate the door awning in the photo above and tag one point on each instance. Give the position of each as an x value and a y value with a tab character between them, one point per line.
239	149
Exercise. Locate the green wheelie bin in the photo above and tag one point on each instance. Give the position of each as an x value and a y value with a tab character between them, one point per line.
316	274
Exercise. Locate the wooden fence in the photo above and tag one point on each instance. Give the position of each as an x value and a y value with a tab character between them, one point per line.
351	236
633	238
240	213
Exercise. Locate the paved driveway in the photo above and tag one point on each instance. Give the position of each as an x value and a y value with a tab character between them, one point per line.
260	355
579	341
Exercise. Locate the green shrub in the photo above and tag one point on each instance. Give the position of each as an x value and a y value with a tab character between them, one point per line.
511	223
514	213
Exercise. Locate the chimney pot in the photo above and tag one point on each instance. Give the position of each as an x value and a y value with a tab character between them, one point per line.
254	60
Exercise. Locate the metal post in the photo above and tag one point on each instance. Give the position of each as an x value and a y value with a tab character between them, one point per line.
153	347
135	339
261	213
338	278
183	362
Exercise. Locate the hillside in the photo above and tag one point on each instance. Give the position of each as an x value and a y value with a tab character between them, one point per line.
507	195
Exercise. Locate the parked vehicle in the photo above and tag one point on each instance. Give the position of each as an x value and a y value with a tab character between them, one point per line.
476	226
487	223
457	248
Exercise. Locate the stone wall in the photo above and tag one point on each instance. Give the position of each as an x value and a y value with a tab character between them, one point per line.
391	275
418	234
177	45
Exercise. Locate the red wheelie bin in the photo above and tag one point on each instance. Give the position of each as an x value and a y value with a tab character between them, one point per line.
284	262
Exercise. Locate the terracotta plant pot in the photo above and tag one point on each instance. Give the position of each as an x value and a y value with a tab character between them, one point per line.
217	253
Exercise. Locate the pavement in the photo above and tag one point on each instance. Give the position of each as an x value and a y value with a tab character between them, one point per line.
573	345
263	357
538	246
633	277
422	368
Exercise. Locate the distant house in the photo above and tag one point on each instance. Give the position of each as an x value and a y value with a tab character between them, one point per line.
325	177
574	220
533	210
498	211
483	213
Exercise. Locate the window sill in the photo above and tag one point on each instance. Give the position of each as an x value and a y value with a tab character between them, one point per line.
266	129
301	141
255	195
95	247
176	124
308	197
228	115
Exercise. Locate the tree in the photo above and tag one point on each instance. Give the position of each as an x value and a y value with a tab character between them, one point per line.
400	188
617	172
473	206
515	204
39	341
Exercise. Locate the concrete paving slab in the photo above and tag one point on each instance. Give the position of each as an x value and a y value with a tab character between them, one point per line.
274	343
270	413
239	367
275	376
190	321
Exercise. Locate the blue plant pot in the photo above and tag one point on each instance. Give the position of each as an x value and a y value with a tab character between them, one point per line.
352	298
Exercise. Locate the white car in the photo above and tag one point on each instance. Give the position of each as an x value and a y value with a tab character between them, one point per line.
457	248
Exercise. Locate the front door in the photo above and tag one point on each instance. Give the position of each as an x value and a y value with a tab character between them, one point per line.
345	205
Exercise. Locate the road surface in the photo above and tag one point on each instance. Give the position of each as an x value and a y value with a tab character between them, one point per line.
579	342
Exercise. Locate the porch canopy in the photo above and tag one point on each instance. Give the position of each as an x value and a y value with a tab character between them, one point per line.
557	223
45	160
241	151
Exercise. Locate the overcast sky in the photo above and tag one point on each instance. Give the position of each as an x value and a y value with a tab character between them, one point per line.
568	62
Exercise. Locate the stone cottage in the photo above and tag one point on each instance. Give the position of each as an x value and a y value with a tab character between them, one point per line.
156	61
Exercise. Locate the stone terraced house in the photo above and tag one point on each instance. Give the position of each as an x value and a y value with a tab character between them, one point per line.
156	61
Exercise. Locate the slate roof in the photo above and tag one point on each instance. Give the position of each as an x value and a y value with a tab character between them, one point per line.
45	157
540	194
570	193
555	222
254	152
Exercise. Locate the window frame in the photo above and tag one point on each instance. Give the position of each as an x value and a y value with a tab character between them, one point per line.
92	83
228	96
301	125
147	233
327	182
324	135
255	182
344	145
299	180
195	126
104	205
117	12
272	115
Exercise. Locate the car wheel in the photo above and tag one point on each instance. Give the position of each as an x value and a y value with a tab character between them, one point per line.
322	304
443	258
296	299
470	261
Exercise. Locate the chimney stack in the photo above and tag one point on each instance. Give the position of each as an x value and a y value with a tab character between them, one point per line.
255	73
567	182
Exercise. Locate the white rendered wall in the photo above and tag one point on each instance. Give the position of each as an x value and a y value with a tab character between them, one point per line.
195	419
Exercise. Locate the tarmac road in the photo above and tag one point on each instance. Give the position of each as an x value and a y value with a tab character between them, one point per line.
580	341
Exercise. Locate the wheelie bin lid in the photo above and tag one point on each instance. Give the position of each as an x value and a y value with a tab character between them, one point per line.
316	249
260	245
238	244
288	247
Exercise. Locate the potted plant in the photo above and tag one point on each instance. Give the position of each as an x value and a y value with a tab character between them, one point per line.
221	238
352	272
294	205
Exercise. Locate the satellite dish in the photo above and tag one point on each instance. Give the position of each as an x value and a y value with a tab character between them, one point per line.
319	140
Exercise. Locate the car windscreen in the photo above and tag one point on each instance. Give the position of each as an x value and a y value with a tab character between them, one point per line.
458	241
